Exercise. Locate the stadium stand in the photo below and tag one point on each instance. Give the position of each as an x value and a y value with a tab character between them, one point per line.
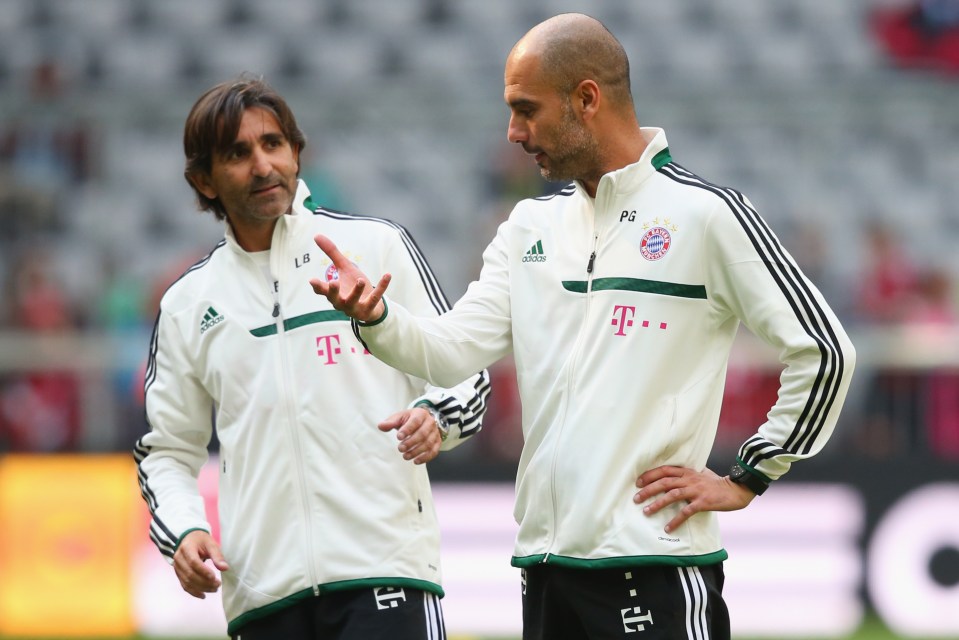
792	102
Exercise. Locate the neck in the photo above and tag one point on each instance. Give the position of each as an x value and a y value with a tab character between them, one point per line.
254	237
626	150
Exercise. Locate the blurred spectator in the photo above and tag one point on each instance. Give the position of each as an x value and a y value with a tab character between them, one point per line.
45	148
887	283
886	291
921	34
42	145
942	413
121	311
909	411
891	416
933	305
934	315
39	410
122	306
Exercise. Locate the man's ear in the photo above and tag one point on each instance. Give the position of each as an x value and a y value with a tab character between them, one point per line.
587	98
202	183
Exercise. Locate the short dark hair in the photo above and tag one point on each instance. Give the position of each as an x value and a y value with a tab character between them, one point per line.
214	122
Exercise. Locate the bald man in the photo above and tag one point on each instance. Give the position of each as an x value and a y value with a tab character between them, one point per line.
619	297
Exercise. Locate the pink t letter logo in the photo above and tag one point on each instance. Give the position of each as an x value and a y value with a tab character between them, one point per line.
325	346
622	318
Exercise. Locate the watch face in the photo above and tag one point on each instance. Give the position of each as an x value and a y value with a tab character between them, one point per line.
736	472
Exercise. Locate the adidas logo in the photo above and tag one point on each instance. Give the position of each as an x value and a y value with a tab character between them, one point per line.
210	319
535	253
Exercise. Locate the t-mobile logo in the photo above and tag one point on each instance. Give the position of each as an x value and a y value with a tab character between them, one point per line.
388	597
633	619
328	346
623	319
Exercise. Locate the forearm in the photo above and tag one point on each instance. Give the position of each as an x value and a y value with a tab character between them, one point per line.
462	407
443	351
812	393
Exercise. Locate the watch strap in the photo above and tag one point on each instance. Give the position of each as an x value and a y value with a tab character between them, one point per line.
740	474
441	424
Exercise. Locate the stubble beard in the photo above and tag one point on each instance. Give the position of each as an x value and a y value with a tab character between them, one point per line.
269	210
577	152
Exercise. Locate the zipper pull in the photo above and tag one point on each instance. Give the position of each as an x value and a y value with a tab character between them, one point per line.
276	309
592	259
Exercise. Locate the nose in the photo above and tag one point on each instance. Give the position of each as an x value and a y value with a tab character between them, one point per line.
515	132
261	163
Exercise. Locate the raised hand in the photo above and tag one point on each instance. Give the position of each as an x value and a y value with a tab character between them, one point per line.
349	291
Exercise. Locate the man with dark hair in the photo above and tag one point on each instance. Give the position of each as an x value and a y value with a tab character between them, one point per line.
327	531
619	297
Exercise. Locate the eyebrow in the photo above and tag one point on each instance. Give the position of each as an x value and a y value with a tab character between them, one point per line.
518	103
243	145
273	137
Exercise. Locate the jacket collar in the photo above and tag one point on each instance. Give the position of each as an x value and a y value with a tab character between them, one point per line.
302	206
630	177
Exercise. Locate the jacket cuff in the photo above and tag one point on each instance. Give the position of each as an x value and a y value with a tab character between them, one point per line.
386	312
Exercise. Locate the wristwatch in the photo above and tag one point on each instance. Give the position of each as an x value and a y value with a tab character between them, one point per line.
741	475
441	424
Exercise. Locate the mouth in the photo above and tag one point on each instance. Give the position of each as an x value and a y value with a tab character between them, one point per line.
266	190
538	154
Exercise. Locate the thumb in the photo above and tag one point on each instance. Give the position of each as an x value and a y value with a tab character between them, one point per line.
216	556
395	421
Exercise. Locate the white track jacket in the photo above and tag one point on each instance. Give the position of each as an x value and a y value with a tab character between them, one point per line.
620	312
312	496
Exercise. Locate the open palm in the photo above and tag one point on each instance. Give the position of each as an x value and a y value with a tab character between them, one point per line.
350	292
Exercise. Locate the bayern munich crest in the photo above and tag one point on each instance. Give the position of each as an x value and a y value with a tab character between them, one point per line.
655	243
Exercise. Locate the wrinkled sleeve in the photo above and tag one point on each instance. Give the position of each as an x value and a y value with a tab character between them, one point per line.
169	457
752	276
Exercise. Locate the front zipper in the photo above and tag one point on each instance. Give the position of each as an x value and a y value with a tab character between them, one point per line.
297	448
289	394
569	391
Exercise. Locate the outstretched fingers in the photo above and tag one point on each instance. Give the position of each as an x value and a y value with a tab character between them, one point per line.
376	295
350	291
330	249
321	287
